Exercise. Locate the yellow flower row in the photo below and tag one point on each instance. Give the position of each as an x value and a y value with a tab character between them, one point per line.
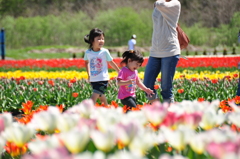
79	75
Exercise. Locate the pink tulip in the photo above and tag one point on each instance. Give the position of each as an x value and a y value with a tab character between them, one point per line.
60	152
220	150
172	120
126	132
2	125
156	112
192	119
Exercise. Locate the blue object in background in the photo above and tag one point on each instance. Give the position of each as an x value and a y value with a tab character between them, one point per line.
2	42
238	89
239	37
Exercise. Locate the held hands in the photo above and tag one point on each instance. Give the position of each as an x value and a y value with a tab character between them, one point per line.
149	92
88	80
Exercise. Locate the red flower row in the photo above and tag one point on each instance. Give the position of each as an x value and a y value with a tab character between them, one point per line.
214	62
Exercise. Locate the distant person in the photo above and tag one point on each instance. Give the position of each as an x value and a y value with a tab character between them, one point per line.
132	42
165	50
128	79
97	59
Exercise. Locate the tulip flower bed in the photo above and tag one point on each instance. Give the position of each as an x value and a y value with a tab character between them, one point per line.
51	88
55	119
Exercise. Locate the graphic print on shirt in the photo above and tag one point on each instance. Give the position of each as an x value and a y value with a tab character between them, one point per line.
96	66
131	87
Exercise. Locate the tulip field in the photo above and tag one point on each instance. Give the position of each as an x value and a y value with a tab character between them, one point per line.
46	113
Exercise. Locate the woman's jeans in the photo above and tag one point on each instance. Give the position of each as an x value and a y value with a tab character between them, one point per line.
167	67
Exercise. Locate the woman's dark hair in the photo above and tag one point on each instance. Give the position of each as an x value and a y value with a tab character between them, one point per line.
133	55
89	38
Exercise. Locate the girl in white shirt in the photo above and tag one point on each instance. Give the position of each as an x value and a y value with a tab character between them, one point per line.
97	59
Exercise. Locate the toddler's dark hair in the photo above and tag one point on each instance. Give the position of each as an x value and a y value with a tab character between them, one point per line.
89	38
133	55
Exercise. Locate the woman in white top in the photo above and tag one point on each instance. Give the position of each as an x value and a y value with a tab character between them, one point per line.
165	49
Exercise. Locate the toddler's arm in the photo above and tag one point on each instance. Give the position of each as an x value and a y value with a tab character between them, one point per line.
144	88
121	82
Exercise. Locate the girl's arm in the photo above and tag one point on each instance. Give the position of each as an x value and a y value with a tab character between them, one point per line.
121	82
87	68
114	65
143	87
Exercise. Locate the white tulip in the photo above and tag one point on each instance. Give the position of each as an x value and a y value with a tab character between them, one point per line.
89	155
199	143
76	139
106	118
2	143
45	120
126	132
66	122
18	134
6	120
38	146
137	117
178	138
124	155
234	117
234	106
211	119
84	109
167	156
221	135
187	106
104	141
142	142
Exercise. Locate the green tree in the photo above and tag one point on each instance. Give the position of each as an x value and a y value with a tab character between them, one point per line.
12	7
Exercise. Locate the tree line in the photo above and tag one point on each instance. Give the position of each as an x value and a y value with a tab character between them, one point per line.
210	13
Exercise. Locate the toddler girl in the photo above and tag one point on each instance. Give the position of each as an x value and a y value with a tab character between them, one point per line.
128	78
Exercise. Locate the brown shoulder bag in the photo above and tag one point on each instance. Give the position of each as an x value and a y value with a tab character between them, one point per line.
182	38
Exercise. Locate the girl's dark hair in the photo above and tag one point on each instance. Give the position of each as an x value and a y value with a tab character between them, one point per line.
133	55
89	38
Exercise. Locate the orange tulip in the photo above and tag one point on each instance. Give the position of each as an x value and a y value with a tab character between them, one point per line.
180	91
42	108
75	95
14	150
27	107
235	75
35	89
73	80
214	81
125	108
201	99
156	86
25	119
114	103
51	82
60	107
